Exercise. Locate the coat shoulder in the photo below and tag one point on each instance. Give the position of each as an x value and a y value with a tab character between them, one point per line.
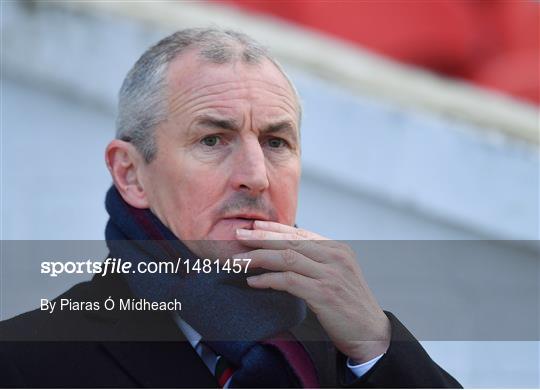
42	325
43	349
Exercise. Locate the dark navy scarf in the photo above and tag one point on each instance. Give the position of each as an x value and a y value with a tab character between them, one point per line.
216	305
246	327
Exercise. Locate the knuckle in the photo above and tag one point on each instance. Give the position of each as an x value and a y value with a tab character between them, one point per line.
332	273
341	255
350	265
289	257
294	242
302	233
344	261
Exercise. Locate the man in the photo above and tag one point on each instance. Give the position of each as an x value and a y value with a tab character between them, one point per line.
206	164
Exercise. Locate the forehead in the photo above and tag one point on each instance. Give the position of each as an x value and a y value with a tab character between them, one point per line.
193	79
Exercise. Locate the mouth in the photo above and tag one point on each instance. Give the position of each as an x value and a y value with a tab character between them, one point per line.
226	226
246	220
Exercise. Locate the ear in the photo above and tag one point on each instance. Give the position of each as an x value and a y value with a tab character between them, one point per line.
124	163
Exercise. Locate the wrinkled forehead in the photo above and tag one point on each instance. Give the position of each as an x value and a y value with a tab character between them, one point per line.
190	75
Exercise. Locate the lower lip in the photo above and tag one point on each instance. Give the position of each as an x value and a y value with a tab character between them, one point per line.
237	223
225	229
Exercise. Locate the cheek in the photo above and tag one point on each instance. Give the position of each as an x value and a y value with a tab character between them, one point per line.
199	192
284	194
186	179
196	220
202	190
182	193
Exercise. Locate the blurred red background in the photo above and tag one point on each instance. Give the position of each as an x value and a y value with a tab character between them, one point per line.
493	43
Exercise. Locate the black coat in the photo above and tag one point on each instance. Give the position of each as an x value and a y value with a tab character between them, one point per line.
96	349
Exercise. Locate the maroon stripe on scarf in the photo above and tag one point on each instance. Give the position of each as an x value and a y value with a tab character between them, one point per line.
144	221
297	357
153	232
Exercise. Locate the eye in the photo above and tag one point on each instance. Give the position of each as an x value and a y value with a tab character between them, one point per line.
277	142
211	140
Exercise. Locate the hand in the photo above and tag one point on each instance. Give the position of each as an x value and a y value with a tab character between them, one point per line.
327	276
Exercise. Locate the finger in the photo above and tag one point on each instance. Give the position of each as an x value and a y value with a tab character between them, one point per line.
280	241
301	233
293	283
281	228
284	260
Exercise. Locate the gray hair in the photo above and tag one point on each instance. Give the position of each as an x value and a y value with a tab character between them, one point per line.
142	100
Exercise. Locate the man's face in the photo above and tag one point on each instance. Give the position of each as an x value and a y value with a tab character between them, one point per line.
229	152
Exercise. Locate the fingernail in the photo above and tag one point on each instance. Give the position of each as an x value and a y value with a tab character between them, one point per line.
243	232
259	223
252	279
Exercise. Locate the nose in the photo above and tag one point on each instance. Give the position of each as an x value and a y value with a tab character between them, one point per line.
249	170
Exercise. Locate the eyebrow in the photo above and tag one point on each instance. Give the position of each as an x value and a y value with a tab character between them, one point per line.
232	125
218	123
